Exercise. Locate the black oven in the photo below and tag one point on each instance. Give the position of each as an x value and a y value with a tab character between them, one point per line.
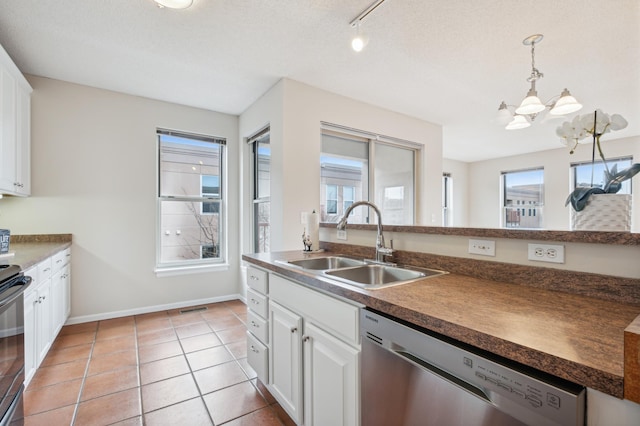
12	286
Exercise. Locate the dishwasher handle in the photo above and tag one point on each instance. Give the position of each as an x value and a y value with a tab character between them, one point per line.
454	380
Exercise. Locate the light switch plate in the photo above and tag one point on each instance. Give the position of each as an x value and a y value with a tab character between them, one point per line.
482	247
342	235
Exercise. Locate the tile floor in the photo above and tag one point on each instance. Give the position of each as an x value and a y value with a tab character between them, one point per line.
163	368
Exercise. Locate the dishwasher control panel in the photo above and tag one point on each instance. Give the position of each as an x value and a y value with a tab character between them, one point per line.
542	398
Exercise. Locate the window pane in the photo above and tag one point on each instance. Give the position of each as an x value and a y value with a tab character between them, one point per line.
394	181
185	231
210	186
183	162
343	164
582	174
263	158
523	188
262	227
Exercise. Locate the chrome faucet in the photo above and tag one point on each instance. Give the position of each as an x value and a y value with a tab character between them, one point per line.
381	250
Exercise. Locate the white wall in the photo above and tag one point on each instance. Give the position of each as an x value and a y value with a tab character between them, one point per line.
484	182
295	144
94	176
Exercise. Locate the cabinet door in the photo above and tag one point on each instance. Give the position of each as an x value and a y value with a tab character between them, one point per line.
331	386
285	359
43	320
7	132
30	331
66	289
57	307
23	142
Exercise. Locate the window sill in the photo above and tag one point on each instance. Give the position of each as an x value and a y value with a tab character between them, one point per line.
170	271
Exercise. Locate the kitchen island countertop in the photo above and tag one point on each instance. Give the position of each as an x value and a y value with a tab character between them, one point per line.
575	337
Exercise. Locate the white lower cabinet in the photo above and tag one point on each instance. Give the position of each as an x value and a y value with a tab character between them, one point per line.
46	308
314	355
331	379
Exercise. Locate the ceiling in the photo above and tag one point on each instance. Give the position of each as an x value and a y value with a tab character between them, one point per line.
446	62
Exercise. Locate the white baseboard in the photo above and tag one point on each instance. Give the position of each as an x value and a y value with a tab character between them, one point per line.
148	309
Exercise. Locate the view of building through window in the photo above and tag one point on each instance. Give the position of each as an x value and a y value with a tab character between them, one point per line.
261	149
583	175
523	199
344	179
190	198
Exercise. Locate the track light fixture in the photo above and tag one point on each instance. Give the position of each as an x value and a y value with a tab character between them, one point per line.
360	40
523	115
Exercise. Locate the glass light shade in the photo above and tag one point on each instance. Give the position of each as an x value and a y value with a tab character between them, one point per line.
503	116
566	104
174	4
530	105
518	122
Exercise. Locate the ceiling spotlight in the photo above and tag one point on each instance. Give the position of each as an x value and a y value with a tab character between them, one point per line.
174	4
531	105
359	41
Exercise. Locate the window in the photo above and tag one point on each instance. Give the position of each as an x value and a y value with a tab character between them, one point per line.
447	212
190	199
346	176
261	149
523	187
583	176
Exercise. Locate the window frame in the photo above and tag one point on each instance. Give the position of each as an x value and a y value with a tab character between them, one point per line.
574	175
256	200
372	140
189	266
519	207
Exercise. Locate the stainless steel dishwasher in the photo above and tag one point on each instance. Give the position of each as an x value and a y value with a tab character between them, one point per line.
410	378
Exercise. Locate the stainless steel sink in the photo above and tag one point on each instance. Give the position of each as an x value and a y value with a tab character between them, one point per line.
324	263
379	276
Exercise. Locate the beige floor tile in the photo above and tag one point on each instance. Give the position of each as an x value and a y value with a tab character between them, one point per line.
62	355
263	417
112	361
51	375
154	337
116	344
159	351
79	328
209	357
235	334
197	343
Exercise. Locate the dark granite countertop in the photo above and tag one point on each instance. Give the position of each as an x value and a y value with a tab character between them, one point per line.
576	337
31	249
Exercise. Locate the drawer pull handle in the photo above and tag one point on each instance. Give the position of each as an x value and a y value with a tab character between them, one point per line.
254	301
253	349
255	324
294	329
306	338
251	277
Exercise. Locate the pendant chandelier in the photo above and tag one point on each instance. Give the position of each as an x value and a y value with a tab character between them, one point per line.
522	116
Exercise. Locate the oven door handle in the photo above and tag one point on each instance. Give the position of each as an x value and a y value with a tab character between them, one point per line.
18	286
454	380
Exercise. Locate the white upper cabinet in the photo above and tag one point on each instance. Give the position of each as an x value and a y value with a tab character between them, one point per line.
15	129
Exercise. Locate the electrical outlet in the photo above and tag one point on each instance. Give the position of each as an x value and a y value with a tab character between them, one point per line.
482	247
342	235
546	253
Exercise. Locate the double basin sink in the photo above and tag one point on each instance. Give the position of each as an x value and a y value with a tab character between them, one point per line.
361	274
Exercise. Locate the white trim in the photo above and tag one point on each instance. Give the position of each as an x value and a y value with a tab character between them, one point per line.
171	271
156	308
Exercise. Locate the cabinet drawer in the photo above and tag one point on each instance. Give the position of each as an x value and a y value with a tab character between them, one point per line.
60	259
257	326
44	270
335	316
258	357
257	303
257	280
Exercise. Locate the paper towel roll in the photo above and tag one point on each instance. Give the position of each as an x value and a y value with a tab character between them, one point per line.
312	229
